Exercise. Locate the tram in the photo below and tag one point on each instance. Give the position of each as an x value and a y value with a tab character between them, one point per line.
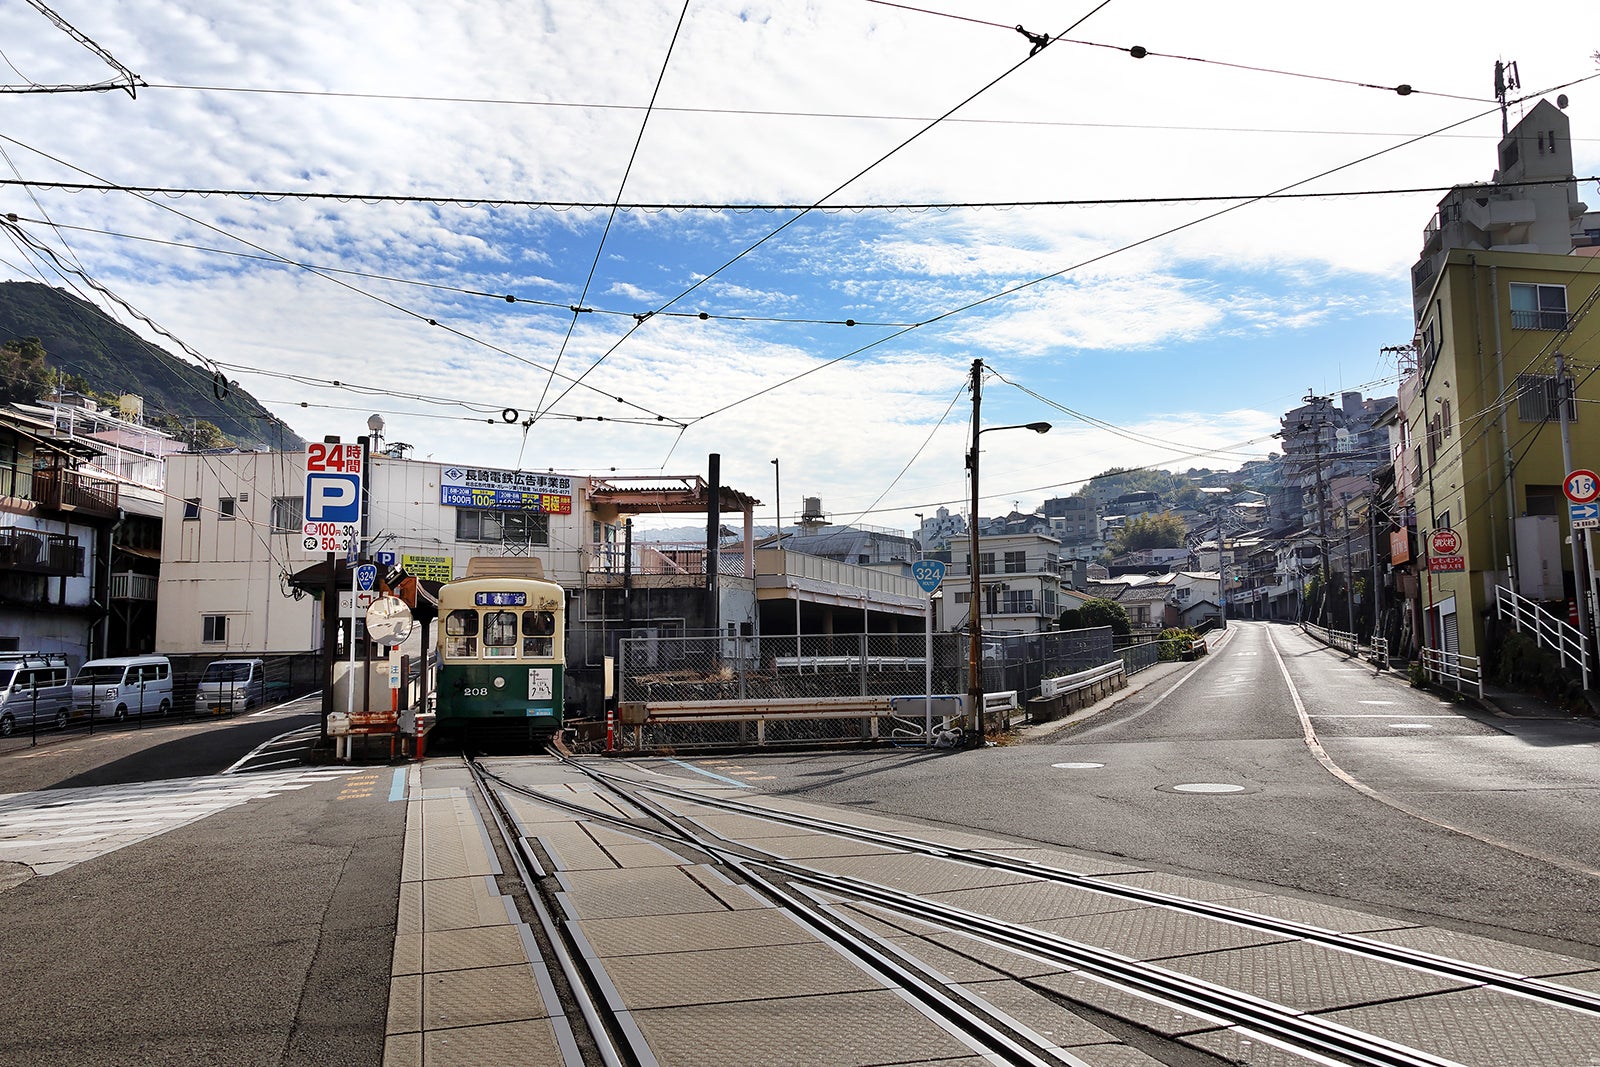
502	651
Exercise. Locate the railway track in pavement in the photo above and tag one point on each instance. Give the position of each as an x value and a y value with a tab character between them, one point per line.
831	898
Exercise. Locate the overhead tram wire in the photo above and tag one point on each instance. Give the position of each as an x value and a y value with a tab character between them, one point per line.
343	284
844	184
1089	420
685	207
1021	286
666	61
920	449
1140	52
509	298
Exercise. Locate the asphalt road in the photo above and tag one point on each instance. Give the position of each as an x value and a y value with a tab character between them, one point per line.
1405	802
254	930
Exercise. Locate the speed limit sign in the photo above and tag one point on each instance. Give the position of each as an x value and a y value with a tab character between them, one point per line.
1581	486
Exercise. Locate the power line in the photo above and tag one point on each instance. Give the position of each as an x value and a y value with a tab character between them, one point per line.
843	185
736	207
1140	52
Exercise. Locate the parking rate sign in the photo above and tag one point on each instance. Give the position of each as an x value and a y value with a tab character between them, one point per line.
333	494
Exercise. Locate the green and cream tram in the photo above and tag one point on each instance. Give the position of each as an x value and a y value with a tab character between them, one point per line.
502	648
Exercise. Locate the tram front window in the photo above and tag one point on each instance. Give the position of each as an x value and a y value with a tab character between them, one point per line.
461	634
500	634
538	629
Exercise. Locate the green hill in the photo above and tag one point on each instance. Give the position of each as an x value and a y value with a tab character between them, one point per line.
80	339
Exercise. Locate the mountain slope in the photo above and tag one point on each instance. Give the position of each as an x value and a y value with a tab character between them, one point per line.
81	339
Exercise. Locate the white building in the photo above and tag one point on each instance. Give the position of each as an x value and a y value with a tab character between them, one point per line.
1020	580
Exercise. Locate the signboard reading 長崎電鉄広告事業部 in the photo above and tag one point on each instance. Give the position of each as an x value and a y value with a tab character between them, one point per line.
484	487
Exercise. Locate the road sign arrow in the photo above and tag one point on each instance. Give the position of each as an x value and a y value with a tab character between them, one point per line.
1578	512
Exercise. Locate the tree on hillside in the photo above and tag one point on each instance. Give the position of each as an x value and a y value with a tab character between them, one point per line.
24	378
1165	530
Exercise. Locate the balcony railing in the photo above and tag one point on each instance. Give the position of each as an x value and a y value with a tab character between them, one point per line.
68	490
1538	320
36	552
131	586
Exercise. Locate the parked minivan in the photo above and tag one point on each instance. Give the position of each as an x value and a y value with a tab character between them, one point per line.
34	688
123	686
230	685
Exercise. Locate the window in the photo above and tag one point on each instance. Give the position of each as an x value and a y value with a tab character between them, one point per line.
499	633
1183	594
1539	399
191	509
1538	307
214	629
538	629
1016	562
503	527
225	508
1544	499
461	634
985	562
288	514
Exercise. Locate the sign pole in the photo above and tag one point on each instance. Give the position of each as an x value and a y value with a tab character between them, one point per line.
929	574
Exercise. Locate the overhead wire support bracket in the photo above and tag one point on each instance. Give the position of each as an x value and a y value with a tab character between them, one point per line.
1038	40
129	82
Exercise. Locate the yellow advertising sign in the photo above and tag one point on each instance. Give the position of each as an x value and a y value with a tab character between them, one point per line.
429	568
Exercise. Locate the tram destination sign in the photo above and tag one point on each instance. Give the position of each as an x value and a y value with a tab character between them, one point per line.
503	490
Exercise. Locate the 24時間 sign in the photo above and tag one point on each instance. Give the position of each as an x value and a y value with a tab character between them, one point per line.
482	487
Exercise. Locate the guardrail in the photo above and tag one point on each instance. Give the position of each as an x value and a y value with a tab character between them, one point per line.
1462	672
779	720
1343	640
1072	683
1380	653
1548	631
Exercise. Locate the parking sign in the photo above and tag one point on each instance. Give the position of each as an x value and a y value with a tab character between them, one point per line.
333	496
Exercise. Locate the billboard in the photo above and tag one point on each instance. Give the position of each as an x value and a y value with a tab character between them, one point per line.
503	490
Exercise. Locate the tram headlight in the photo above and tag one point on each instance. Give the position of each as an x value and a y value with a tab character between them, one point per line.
499	683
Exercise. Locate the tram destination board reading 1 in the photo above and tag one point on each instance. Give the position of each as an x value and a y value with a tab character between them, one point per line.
500	600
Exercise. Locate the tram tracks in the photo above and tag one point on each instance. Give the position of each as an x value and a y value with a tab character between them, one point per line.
812	895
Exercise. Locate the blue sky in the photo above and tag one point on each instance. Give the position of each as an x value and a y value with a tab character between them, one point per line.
1196	332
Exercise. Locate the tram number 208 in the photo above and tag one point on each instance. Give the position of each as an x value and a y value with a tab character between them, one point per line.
475	691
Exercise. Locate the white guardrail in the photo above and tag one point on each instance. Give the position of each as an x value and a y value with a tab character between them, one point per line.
1071	683
1452	668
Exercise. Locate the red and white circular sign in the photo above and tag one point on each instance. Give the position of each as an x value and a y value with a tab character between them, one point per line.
1581	486
1445	542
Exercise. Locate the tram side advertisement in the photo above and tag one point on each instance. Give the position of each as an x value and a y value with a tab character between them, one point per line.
503	490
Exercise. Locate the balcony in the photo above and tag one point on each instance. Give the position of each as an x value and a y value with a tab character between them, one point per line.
132	586
35	552
63	490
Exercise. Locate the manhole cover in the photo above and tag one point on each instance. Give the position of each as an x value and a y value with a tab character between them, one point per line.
1208	788
1077	766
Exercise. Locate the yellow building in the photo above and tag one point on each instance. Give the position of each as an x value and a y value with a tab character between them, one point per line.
1483	439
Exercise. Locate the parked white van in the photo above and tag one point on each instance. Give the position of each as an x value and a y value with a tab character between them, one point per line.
126	685
230	685
35	687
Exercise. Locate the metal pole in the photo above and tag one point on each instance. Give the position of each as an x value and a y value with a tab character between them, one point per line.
1222	575
1585	619
975	610
927	644
1349	569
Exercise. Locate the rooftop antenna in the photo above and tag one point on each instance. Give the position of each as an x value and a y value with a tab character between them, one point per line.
1506	80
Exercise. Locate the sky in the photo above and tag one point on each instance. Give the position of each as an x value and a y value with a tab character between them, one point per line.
861	199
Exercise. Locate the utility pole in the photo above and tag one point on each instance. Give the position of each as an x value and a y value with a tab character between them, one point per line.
975	610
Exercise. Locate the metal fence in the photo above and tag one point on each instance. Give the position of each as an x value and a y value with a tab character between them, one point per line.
1461	673
833	667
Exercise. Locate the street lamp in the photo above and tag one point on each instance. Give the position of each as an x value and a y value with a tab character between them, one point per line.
975	610
922	549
